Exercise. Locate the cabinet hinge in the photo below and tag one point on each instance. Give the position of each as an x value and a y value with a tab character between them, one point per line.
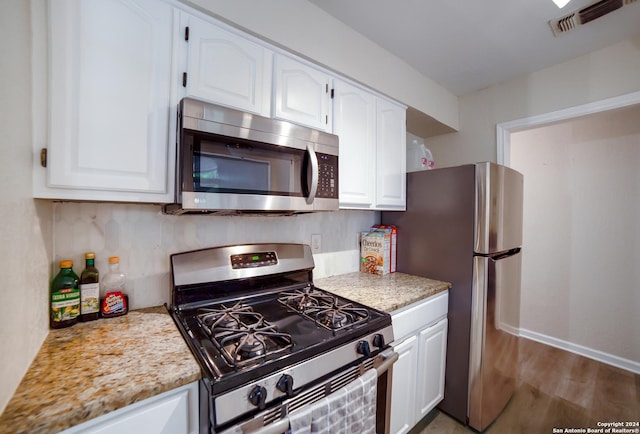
184	79
43	157
186	33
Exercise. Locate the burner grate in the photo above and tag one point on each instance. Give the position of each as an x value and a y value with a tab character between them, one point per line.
324	309
242	336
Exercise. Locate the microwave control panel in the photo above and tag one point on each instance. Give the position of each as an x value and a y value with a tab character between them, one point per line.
327	176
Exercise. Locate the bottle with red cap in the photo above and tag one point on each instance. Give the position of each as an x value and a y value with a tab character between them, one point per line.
113	300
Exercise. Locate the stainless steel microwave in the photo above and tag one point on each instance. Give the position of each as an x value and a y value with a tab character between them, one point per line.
229	162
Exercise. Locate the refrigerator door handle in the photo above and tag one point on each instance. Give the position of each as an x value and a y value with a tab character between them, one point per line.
506	254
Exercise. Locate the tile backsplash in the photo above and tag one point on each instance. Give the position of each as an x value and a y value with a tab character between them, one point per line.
144	238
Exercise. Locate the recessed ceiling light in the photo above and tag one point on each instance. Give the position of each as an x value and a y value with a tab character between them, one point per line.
561	3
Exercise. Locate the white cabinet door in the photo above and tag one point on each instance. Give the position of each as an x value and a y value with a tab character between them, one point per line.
302	93
172	412
432	351
372	133
403	387
112	99
391	156
354	122
228	69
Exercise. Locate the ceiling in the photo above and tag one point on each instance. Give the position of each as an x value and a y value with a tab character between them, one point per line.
468	45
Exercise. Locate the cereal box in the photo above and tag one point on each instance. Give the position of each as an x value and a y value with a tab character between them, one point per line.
393	232
375	253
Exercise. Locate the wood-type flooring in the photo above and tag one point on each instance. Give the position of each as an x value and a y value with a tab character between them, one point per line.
561	390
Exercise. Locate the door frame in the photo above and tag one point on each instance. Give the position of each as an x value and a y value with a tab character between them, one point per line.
504	129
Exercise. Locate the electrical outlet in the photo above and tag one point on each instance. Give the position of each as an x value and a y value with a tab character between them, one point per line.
316	243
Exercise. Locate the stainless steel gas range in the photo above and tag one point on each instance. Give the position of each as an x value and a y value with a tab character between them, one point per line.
268	341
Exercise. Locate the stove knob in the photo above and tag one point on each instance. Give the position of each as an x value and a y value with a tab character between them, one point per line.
363	348
378	341
285	385
258	397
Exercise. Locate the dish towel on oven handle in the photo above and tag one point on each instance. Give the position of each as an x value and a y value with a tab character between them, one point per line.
349	410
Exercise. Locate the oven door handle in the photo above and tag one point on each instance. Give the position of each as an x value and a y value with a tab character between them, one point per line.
313	188
384	361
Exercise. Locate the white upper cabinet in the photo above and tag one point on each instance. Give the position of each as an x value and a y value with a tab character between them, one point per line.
354	123
112	88
226	68
302	94
391	151
372	160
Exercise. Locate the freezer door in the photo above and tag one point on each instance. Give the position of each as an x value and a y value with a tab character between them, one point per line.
495	320
498	218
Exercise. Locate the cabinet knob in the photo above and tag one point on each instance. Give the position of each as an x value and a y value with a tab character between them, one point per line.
258	397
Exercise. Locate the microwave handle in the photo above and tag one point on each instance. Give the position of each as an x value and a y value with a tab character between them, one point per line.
313	188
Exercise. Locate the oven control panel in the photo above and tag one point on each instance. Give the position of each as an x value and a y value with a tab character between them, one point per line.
254	259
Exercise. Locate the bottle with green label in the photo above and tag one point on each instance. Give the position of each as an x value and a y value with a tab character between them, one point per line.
65	297
89	290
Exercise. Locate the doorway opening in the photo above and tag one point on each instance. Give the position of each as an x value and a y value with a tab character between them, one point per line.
581	229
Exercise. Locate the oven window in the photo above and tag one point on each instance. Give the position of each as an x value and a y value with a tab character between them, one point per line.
224	165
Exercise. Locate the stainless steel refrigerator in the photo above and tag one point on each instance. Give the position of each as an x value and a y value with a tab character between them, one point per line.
464	225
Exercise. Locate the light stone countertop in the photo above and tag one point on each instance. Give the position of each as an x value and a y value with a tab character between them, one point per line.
93	368
386	293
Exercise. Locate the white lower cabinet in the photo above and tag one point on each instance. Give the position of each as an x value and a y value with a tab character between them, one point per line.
172	412
432	350
403	387
420	331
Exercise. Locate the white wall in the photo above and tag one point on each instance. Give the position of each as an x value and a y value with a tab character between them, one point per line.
602	74
26	225
582	233
303	28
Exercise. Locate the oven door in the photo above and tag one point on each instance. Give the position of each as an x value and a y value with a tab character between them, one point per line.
278	420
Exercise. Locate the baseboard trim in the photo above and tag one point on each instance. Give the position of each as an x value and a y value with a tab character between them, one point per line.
600	356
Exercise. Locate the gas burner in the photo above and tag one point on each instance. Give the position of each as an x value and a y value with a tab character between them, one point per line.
250	343
336	316
332	318
234	317
301	300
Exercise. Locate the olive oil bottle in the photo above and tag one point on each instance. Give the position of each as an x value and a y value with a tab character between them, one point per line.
65	297
89	290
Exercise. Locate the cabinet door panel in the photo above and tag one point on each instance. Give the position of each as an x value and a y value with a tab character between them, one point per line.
403	388
111	94
354	121
302	94
227	69
432	349
391	156
172	412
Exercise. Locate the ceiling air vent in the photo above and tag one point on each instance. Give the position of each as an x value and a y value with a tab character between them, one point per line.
594	11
